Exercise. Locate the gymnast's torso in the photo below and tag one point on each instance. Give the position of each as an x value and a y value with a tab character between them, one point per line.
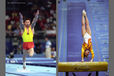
87	42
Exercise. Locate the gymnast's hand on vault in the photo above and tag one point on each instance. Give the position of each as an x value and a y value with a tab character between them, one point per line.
82	60
91	60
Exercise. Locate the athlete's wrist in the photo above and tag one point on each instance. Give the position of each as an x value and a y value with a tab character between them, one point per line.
91	60
82	60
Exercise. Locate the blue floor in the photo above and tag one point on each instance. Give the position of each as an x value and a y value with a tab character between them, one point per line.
16	70
33	61
35	66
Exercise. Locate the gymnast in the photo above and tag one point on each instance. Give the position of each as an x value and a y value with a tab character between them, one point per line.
86	34
27	30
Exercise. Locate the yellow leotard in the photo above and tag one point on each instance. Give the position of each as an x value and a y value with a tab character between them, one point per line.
87	46
27	37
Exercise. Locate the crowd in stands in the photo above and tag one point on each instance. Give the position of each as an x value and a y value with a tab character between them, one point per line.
45	26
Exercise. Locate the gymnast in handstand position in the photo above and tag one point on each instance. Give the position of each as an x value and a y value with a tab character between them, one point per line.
86	34
27	30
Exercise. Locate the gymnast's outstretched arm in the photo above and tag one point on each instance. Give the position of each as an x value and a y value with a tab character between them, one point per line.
92	53
35	19
82	54
21	21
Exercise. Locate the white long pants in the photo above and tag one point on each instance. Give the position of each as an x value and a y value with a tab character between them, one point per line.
48	52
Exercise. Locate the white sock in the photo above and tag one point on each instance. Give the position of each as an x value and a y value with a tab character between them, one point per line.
84	12
24	64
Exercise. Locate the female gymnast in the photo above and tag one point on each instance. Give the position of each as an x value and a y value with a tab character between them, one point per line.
86	34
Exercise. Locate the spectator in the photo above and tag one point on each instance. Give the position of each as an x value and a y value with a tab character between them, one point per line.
48	48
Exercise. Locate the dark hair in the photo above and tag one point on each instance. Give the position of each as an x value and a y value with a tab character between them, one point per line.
27	19
46	37
84	54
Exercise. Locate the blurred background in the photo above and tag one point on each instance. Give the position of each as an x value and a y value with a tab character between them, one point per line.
45	27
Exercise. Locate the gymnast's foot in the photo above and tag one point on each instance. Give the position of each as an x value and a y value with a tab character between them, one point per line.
24	67
84	12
